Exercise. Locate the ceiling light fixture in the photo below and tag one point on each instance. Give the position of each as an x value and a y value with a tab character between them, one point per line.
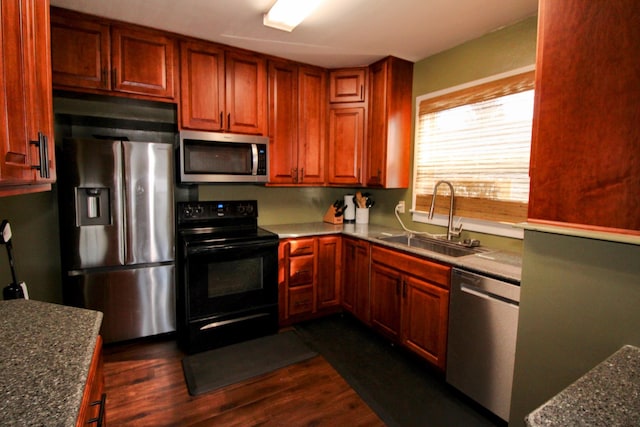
285	15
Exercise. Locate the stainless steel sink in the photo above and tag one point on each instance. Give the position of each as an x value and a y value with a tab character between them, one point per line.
440	246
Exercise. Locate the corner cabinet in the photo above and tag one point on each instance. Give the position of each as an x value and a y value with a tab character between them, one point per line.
222	90
27	148
308	278
585	140
410	302
389	124
95	55
297	123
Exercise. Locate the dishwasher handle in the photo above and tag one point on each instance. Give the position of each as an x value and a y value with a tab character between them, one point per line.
486	295
485	287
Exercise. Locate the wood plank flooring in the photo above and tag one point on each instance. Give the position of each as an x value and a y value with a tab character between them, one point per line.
145	387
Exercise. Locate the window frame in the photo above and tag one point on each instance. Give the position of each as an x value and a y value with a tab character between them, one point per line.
506	229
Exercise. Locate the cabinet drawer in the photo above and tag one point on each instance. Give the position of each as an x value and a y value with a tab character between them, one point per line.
433	272
301	270
300	300
301	247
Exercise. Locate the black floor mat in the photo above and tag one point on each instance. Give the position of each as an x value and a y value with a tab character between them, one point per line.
224	366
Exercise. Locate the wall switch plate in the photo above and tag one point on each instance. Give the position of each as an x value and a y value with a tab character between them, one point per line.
400	206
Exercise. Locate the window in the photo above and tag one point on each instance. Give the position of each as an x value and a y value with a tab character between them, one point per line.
478	137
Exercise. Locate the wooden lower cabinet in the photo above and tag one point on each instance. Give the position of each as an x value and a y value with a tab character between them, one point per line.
309	278
425	319
93	411
355	282
410	302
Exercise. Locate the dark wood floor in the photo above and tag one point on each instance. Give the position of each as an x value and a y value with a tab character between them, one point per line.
145	387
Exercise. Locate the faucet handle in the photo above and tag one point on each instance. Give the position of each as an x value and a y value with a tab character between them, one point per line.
456	229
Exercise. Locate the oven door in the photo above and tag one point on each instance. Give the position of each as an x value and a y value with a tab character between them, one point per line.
223	279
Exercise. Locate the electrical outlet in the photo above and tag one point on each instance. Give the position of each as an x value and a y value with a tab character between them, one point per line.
400	206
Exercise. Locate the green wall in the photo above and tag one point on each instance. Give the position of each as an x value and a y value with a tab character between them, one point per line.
579	303
36	244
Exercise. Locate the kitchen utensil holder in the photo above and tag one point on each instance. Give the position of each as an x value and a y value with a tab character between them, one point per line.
362	215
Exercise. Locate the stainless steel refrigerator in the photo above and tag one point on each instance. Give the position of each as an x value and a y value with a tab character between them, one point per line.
117	233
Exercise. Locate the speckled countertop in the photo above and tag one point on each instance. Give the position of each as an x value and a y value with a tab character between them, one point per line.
607	395
498	264
45	355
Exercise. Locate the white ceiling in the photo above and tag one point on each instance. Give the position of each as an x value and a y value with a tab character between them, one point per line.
340	33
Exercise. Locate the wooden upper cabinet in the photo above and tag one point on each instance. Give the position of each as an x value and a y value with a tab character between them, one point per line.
346	144
585	141
26	109
96	55
283	122
297	123
222	90
202	83
312	119
80	52
348	85
246	93
388	145
143	61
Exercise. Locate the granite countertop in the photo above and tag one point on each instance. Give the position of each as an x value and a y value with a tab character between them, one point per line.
45	355
607	395
501	265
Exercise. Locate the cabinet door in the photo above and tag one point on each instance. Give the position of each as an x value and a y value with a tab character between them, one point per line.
80	51
283	122
349	274
585	139
26	142
389	124
41	129
386	293
143	62
94	390
346	142
312	107
347	85
15	150
329	272
425	317
202	86
355	282
246	93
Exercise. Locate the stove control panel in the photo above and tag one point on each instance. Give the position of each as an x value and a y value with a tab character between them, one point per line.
210	210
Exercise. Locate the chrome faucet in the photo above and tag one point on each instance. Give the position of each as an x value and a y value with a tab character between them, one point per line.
451	229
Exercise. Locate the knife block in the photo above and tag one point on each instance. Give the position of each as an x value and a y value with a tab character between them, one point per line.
331	217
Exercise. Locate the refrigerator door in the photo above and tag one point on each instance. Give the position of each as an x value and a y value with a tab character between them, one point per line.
149	212
92	204
136	302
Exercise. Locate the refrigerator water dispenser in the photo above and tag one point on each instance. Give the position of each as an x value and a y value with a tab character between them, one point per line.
92	206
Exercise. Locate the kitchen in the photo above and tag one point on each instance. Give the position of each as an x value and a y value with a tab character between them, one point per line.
548	357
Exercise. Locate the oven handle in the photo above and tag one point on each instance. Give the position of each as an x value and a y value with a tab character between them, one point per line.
199	247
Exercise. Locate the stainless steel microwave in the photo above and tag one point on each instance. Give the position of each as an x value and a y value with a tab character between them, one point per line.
223	157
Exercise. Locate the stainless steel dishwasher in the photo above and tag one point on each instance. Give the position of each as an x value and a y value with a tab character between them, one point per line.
483	323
